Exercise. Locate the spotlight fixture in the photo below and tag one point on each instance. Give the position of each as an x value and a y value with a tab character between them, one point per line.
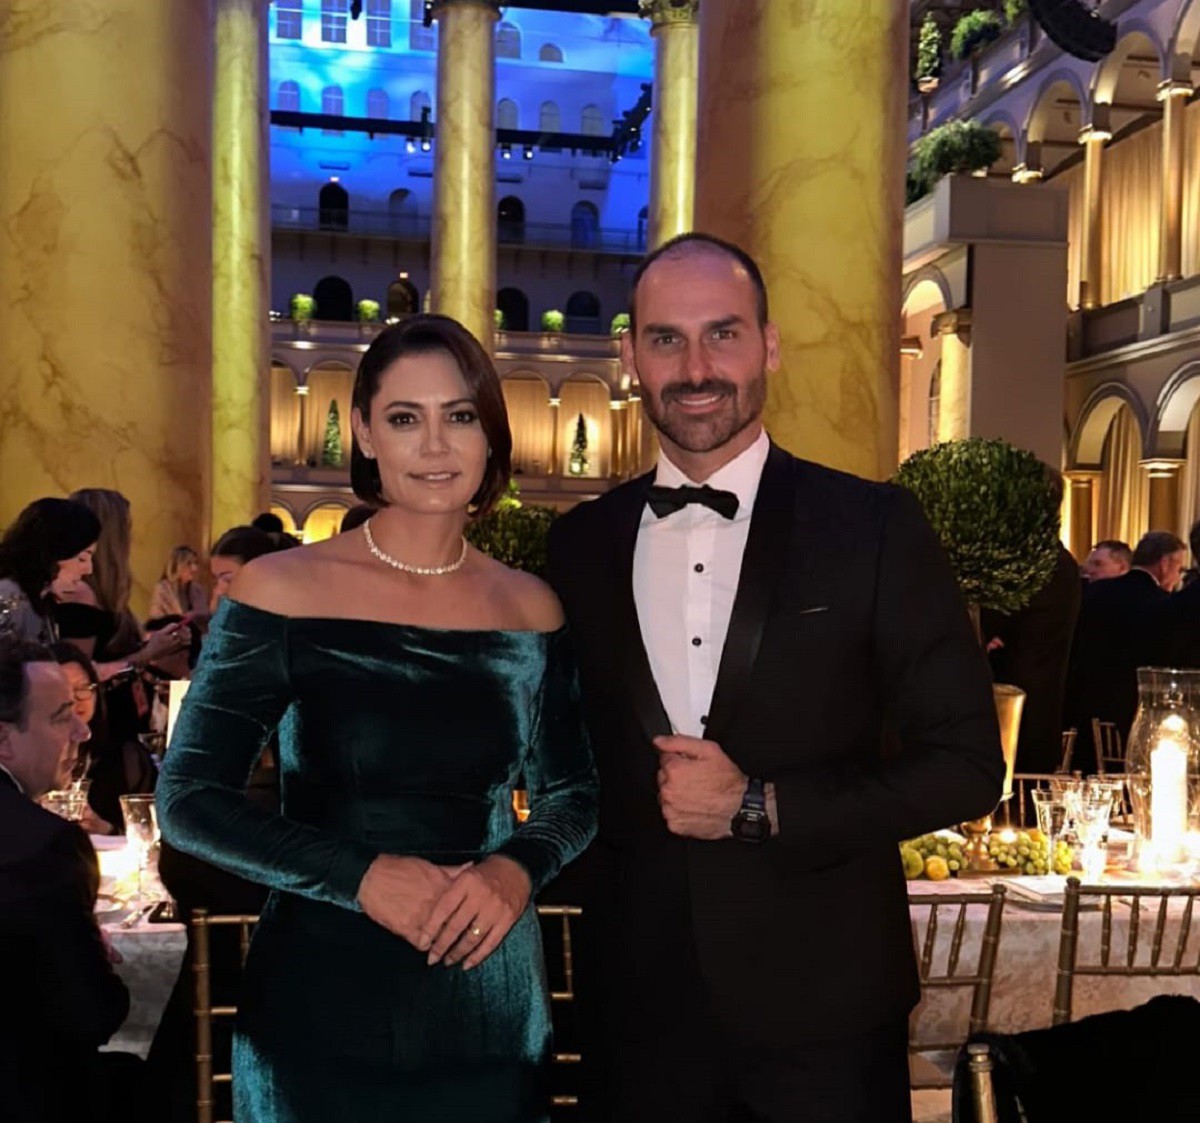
528	153
506	152
426	144
410	146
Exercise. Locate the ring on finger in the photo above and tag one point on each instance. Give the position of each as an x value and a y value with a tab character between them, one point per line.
476	931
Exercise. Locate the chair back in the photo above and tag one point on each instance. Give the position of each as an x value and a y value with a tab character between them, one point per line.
562	990
953	970
1159	952
1068	749
1110	752
983	1094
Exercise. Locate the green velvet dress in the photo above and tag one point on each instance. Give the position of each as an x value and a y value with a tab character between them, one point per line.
398	740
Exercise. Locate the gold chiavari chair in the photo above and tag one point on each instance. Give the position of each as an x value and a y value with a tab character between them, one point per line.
983	1094
1068	749
207	1080
1110	752
954	974
1126	964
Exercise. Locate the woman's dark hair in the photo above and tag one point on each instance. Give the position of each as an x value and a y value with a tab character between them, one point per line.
47	532
423	335
68	653
244	543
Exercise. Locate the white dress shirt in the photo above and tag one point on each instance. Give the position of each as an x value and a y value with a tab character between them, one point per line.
685	576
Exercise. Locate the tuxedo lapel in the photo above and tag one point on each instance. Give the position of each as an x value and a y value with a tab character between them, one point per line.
630	647
767	548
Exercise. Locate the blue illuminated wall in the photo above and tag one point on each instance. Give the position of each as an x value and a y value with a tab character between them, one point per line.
604	61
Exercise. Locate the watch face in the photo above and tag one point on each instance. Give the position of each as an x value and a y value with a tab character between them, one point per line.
751	826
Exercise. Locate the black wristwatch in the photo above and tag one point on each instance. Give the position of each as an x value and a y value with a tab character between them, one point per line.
752	823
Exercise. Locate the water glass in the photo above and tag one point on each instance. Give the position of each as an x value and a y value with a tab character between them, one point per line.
1091	826
1052	816
141	832
68	803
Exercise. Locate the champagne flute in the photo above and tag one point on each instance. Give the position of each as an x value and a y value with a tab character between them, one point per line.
141	833
1052	816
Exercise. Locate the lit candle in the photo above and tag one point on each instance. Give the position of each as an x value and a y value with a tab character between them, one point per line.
1168	800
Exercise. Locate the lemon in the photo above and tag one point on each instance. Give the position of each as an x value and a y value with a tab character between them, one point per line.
936	869
914	864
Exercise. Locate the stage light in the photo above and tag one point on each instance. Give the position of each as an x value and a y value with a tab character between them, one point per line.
505	152
426	144
410	146
528	153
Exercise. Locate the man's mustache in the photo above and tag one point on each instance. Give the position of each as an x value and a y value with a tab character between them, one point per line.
675	390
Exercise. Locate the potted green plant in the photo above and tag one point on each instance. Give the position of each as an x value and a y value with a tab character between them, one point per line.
929	55
368	311
515	535
619	325
332	454
303	307
1014	10
578	462
499	319
974	31
958	146
553	321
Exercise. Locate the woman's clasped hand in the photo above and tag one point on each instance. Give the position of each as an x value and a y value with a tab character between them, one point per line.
455	913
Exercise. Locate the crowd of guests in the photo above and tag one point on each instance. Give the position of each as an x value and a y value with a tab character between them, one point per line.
81	680
1076	648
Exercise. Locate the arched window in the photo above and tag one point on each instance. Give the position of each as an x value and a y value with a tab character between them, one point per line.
510	220
333	208
377	104
287	97
402	298
550	52
420	37
508	116
585	225
402	211
550	119
508	40
417	103
515	306
592	121
289	19
379	23
643	227
334	299
333	104
583	313
333	21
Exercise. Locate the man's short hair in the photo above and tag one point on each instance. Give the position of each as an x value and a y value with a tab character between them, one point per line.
268	521
1117	548
14	682
683	245
1156	545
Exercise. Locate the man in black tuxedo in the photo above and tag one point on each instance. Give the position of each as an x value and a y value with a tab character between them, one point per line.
1114	636
62	999
1175	631
781	683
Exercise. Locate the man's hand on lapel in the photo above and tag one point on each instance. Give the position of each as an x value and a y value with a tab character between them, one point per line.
699	788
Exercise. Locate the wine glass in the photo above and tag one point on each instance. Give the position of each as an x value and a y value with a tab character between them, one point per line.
1052	816
141	833
1091	826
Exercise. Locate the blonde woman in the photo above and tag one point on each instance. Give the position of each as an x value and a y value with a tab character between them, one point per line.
178	593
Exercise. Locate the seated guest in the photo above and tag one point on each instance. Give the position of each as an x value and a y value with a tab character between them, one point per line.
85	689
62	999
179	593
235	548
268	522
1176	626
1110	558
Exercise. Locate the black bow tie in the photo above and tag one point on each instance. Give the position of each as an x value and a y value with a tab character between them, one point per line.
665	501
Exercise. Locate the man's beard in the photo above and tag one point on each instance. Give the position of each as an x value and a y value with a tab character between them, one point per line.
704	434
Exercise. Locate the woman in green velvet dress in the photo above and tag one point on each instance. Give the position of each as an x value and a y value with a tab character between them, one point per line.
397	972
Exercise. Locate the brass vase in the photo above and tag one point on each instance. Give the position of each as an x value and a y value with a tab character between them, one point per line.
1010	701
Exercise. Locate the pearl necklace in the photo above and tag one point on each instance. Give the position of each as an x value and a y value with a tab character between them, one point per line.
404	567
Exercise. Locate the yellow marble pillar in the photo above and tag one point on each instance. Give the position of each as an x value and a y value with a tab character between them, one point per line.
1093	138
105	204
954	394
241	265
463	253
1163	505
1082	500
800	160
676	33
1174	97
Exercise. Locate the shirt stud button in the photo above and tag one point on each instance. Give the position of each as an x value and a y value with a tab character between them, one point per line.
696	641
699	567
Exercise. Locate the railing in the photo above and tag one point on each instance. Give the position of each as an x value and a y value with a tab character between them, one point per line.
514	344
418	228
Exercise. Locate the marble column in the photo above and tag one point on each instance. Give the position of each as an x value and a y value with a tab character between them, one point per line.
1163	505
1082	510
106	205
954	395
800	160
676	33
241	265
463	253
1174	97
1093	138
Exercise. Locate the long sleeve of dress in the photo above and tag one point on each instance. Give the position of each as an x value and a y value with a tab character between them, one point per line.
238	695
559	772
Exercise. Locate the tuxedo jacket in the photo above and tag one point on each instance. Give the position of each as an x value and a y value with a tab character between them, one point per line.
62	999
851	679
